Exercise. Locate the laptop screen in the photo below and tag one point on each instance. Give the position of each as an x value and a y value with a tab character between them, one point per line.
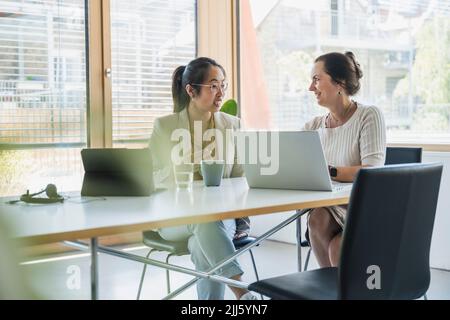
117	172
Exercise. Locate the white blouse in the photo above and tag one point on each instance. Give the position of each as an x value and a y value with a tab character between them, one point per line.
359	141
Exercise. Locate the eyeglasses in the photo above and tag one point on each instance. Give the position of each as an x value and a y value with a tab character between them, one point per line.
214	87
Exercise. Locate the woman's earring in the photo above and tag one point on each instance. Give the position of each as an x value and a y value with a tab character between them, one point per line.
339	93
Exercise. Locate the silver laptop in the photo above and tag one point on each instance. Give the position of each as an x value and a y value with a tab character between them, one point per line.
301	161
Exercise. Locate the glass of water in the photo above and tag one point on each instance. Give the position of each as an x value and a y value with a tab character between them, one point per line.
184	175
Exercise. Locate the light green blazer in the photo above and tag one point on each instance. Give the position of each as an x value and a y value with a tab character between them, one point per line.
161	147
161	144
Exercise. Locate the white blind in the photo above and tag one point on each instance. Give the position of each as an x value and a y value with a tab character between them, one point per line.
150	38
42	72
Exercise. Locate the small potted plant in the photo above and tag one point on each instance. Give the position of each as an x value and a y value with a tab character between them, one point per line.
230	106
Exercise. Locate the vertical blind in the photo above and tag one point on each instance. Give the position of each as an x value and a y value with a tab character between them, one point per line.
149	39
42	72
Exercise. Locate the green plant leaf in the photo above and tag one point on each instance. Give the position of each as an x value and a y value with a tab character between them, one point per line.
230	107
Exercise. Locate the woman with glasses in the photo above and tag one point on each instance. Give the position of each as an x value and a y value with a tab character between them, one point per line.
198	90
352	135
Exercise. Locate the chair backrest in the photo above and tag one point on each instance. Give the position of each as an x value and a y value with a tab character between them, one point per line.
387	235
398	155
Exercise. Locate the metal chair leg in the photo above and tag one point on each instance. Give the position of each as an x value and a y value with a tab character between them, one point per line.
299	241
143	275
254	265
254	268
167	274
307	259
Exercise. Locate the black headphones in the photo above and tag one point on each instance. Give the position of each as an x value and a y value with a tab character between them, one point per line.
50	191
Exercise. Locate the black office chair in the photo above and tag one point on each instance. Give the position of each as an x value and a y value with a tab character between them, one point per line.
394	155
389	226
153	240
399	155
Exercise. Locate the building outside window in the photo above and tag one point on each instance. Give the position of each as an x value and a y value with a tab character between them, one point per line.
403	48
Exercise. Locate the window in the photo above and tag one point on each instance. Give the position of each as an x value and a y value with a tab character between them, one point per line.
334	17
391	84
42	94
402	46
43	105
149	39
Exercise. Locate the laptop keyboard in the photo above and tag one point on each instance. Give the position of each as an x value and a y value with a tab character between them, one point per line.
341	186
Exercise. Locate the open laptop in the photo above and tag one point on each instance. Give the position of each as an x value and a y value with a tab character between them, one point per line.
117	172
301	162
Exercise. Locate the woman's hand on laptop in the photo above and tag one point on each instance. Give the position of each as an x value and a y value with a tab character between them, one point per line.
347	174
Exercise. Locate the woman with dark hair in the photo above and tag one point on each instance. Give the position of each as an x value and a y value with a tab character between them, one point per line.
353	136
197	91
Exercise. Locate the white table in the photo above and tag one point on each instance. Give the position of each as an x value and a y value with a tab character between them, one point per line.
85	217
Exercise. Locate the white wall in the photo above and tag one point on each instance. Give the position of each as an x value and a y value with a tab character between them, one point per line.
440	252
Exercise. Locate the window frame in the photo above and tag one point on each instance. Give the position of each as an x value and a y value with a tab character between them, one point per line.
213	17
428	146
